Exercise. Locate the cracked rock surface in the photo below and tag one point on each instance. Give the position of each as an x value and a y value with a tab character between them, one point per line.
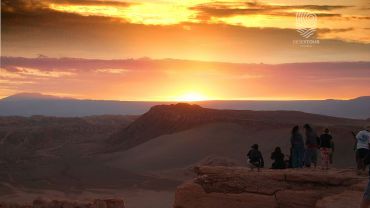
237	187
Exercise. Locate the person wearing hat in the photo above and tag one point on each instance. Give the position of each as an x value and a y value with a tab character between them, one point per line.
255	159
362	148
363	135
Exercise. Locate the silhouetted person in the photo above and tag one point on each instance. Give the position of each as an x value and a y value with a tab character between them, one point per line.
365	203
325	148
311	146
297	148
255	159
362	148
278	158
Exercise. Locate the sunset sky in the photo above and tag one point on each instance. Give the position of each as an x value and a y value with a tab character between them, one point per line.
184	49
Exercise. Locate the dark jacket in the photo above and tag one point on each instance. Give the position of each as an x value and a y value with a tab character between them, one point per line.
312	140
325	141
255	158
297	141
278	158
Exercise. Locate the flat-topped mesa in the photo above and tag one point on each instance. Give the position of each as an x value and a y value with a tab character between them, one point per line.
169	119
237	187
164	119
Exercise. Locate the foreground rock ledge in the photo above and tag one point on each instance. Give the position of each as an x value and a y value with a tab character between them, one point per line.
41	203
234	187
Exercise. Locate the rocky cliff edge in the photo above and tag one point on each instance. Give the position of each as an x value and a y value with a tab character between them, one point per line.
234	187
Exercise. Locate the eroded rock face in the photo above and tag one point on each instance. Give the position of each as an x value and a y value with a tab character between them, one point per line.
346	199
235	187
41	203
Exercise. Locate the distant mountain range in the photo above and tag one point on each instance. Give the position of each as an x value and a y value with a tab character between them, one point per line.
28	104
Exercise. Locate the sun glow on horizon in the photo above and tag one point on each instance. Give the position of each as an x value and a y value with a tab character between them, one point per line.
191	97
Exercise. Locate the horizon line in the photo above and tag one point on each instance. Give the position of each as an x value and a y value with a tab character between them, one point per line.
56	96
180	59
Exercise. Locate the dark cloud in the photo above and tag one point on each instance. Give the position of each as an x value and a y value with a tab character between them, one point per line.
29	28
32	14
81	64
21	5
361	18
335	30
75	64
20	14
27	5
293	14
92	3
226	10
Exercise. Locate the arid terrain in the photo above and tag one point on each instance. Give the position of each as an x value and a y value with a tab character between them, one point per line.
143	157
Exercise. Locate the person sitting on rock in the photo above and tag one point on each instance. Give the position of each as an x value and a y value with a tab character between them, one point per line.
278	158
255	159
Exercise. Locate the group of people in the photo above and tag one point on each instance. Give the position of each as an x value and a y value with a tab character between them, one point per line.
303	152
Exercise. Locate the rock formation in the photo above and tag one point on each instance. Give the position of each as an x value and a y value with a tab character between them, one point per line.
220	187
168	119
41	203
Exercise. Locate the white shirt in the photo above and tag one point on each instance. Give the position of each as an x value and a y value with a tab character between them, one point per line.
363	139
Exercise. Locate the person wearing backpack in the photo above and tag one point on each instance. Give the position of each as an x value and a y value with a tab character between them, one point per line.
255	159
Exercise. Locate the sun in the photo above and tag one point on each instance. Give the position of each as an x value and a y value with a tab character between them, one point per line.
191	97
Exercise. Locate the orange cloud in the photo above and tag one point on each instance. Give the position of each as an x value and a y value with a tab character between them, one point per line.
147	79
229	31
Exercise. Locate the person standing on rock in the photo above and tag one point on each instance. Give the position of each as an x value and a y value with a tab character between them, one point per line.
297	148
311	146
362	148
325	148
255	159
365	203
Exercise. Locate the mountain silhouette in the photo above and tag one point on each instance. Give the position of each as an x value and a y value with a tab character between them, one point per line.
168	119
28	104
